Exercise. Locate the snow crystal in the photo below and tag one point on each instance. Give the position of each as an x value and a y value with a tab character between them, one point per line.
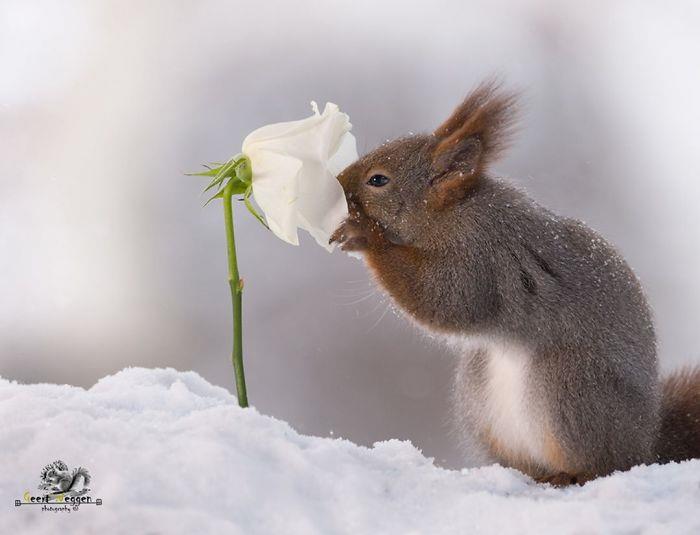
170	453
357	255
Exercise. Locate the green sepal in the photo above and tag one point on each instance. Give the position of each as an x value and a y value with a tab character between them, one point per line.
235	171
219	195
209	172
235	174
251	208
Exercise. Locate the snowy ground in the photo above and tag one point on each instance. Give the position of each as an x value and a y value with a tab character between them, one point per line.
170	453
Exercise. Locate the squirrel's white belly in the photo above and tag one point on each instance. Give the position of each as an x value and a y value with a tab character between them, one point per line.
506	411
511	410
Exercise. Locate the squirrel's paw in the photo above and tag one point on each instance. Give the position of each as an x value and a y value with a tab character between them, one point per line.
349	236
564	479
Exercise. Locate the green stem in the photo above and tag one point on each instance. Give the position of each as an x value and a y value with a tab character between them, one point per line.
236	284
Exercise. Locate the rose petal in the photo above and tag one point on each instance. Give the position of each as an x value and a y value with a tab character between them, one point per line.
295	165
276	191
344	156
277	131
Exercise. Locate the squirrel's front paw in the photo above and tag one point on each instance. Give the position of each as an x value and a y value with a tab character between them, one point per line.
349	236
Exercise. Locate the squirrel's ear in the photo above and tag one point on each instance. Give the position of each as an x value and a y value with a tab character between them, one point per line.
475	134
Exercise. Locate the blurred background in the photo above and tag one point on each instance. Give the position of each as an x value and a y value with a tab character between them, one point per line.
107	258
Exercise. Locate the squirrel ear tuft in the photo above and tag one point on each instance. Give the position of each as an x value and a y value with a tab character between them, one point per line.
475	134
479	129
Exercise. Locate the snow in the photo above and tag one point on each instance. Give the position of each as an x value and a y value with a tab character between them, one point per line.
170	453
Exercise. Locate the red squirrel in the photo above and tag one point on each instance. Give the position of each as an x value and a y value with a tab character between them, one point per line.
558	373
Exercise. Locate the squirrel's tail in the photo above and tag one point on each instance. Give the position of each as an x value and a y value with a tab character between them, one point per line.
679	437
77	474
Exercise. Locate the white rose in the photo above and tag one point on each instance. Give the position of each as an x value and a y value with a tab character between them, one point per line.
295	165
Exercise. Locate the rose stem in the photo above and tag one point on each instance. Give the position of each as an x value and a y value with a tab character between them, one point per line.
236	284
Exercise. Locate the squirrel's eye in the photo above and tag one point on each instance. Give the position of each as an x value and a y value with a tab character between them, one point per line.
378	181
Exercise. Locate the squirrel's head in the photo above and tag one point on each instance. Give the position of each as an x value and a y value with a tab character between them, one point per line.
398	192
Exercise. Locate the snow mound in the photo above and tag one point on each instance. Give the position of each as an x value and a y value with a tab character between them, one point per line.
170	453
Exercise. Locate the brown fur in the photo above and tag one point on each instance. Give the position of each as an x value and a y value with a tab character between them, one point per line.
557	462
564	479
679	438
487	117
508	457
555	454
476	134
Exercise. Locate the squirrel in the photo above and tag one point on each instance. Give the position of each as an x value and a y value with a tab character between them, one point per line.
57	479
558	374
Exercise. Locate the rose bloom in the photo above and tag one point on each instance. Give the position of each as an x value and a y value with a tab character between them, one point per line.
295	165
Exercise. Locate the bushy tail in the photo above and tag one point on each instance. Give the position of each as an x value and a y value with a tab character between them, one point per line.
679	437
